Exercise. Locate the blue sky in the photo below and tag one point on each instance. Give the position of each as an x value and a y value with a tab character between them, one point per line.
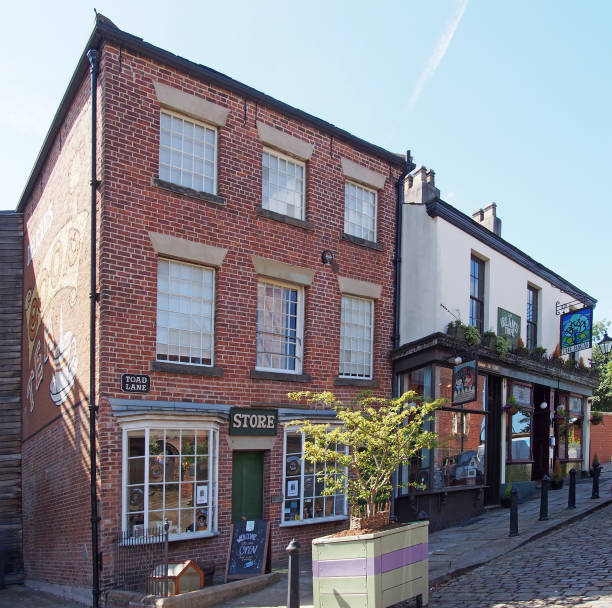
506	101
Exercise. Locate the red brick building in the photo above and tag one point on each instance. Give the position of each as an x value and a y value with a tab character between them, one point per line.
244	250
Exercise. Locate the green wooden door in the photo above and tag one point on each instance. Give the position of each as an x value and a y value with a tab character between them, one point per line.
247	485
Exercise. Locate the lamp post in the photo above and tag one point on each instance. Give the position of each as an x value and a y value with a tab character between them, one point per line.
605	346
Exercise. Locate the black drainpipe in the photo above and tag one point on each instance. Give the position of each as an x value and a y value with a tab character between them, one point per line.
409	166
92	55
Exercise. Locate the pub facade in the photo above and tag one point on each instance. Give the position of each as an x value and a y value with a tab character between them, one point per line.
514	405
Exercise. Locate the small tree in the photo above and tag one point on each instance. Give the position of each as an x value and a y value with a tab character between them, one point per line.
380	434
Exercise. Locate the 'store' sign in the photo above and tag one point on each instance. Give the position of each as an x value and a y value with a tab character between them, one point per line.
252	421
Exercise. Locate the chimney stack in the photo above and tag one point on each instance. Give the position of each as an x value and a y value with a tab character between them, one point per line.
421	187
487	217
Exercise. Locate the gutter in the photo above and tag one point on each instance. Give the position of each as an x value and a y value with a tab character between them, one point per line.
408	167
92	56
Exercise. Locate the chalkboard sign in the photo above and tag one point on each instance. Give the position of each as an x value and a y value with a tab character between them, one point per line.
248	550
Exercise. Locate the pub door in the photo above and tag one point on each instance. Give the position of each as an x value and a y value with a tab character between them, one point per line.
247	485
541	426
493	440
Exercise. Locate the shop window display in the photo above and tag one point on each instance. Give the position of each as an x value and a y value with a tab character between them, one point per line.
304	491
521	424
459	458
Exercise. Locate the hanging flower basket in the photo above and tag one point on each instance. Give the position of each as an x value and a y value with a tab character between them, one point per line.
511	408
595	420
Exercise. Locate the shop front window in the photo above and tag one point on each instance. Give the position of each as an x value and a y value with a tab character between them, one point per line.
304	494
170	475
520	424
459	457
570	417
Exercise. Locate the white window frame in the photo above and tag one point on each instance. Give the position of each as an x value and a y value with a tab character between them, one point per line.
312	520
213	467
299	346
342	373
372	228
294	161
199	123
212	332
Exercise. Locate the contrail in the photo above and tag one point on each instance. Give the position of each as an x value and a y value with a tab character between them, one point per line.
438	53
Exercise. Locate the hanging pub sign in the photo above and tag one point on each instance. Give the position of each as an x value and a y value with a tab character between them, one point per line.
576	330
252	421
465	382
508	326
135	383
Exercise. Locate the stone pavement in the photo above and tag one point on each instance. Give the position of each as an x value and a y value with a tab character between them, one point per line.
456	550
460	549
569	567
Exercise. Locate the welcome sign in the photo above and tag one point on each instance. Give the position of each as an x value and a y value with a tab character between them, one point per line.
508	325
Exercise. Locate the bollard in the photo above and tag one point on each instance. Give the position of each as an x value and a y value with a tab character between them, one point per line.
544	498
293	583
596	471
571	497
514	513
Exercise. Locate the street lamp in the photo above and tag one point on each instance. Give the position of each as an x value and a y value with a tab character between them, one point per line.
605	346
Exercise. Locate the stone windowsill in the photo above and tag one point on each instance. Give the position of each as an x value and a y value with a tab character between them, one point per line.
362	242
285	219
308	522
279	376
184	368
365	383
203	196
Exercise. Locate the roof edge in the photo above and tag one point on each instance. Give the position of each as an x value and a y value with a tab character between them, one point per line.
105	30
440	208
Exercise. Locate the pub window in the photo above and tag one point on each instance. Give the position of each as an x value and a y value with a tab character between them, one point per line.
477	279
304	498
569	422
532	317
170	474
459	456
521	424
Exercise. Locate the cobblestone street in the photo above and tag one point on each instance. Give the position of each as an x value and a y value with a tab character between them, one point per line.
570	567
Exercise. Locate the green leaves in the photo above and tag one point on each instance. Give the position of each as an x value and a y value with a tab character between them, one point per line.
380	434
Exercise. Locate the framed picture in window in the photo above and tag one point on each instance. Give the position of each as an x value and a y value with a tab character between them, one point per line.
202	495
292	488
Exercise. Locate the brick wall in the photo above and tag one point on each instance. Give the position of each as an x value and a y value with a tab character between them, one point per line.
133	207
601	440
56	505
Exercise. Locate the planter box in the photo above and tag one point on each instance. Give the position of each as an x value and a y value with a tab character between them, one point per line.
371	570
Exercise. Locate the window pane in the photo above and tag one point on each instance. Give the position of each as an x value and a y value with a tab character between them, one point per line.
282	185
278	344
356	328
182	145
185	309
359	211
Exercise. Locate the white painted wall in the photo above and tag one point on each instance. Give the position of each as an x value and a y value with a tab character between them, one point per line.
436	270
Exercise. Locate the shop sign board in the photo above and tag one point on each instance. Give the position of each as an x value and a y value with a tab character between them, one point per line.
252	421
135	383
508	326
576	330
248	550
465	382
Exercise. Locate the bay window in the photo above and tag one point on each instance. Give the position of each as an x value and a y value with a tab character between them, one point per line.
170	474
